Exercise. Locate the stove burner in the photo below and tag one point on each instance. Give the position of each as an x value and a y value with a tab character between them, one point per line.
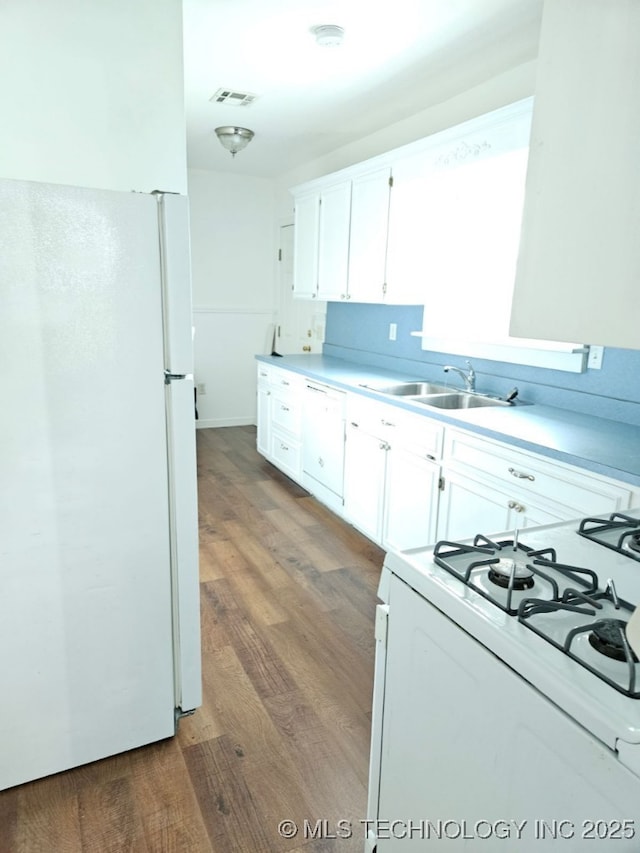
606	639
501	571
633	542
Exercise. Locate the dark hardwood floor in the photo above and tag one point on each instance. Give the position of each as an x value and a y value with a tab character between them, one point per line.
288	598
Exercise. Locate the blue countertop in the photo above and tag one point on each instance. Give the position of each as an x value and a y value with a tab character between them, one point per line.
597	444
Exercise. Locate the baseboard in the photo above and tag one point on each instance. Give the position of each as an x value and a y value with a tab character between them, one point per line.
212	423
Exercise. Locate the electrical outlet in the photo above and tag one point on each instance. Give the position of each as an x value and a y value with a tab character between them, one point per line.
393	331
594	359
201	389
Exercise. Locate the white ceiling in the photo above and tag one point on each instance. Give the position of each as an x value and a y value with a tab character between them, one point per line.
397	58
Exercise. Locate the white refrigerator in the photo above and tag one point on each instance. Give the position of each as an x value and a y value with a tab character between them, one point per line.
99	597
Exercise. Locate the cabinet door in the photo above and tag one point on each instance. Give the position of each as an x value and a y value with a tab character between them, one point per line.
305	246
365	461
469	506
413	260
263	434
333	250
579	262
411	500
368	236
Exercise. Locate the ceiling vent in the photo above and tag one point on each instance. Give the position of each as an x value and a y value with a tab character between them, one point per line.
232	99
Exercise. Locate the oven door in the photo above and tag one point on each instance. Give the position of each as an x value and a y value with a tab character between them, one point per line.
470	751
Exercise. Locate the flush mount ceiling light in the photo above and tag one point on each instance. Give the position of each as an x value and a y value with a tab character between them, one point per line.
234	139
328	35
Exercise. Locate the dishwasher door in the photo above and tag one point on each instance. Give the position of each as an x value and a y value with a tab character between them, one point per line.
323	445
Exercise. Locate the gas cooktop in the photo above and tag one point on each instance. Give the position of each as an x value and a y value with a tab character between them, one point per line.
566	604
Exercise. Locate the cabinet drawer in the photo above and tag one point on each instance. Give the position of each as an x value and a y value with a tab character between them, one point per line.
530	474
264	374
286	454
280	378
286	411
421	435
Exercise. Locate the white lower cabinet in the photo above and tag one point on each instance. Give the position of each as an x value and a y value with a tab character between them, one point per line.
411	500
364	478
469	506
407	481
391	474
279	427
489	486
263	436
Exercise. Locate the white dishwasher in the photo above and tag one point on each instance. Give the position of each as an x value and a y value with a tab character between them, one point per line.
323	445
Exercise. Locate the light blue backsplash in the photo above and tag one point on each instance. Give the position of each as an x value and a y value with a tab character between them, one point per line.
360	333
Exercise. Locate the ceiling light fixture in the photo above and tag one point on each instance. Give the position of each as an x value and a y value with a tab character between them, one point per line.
234	139
328	35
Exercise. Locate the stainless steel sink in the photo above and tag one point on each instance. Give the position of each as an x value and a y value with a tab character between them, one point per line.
410	389
459	401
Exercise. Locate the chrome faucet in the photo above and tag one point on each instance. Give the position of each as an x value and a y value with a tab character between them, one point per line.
469	378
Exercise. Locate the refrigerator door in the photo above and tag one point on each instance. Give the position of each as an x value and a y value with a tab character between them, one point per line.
173	224
173	218
181	445
86	653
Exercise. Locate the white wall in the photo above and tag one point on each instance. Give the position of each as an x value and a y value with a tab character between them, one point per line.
497	91
92	93
234	223
233	250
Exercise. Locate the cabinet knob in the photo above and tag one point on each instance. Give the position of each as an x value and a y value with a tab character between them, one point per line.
515	506
306	348
520	475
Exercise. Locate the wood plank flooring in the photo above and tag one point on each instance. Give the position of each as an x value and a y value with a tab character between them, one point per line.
288	598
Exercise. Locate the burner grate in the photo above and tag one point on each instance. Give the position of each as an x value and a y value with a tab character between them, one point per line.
620	533
601	633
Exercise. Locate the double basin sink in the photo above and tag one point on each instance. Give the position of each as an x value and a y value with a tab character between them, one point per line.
438	396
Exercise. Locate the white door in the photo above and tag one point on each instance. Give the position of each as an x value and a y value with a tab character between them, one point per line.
85	605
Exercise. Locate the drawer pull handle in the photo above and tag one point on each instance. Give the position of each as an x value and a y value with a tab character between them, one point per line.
284	382
386	423
285	408
354	424
384	445
520	475
430	456
283	446
516	506
321	461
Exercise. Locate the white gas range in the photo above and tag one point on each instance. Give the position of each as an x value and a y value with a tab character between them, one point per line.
506	690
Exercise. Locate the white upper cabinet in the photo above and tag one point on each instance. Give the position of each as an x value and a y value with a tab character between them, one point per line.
340	238
368	235
436	219
578	275
333	248
321	241
305	245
